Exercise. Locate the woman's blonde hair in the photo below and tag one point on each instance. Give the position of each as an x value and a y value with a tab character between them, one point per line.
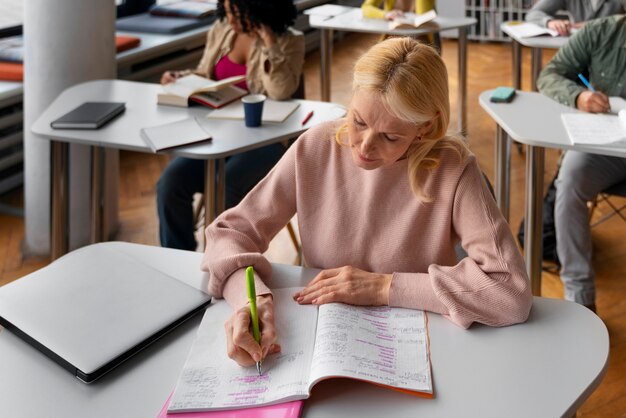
412	82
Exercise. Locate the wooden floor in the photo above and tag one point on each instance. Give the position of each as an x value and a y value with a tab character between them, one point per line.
489	66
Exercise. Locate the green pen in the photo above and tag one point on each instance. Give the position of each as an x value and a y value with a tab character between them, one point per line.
253	313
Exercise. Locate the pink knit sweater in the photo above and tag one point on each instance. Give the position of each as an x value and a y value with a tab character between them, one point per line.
372	220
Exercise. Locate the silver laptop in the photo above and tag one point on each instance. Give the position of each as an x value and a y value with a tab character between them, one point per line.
95	307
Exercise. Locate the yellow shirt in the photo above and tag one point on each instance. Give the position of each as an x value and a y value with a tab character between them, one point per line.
371	8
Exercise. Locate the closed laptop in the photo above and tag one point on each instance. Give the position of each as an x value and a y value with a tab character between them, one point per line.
95	307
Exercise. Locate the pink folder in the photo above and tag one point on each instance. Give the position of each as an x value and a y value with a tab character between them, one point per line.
283	410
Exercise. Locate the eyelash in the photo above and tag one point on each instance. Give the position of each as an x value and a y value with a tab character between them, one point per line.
361	124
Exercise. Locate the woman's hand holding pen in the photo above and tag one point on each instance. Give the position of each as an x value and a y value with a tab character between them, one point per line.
594	102
241	345
347	285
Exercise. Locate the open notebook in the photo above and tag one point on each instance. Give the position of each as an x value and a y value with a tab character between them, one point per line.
596	129
382	345
273	110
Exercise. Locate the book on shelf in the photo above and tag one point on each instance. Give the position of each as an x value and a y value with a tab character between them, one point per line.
174	134
273	111
412	20
12	48
596	129
89	115
201	90
528	30
381	345
189	8
281	410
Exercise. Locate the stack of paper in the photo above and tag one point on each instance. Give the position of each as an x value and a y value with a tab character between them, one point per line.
594	129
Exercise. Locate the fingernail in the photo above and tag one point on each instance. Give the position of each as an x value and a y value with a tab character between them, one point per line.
314	301
300	299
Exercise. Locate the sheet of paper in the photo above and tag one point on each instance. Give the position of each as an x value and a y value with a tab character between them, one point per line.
212	381
617	104
273	111
594	129
327	10
528	30
385	345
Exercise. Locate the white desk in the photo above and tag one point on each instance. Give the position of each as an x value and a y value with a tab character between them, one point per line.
353	21
535	120
536	44
229	137
545	367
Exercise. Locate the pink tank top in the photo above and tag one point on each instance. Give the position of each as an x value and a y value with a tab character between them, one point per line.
226	68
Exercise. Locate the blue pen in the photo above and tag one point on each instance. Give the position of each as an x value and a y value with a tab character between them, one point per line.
586	82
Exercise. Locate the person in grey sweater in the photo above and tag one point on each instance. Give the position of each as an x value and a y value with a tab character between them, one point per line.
543	13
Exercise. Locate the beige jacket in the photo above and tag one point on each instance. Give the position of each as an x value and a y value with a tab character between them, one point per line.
273	71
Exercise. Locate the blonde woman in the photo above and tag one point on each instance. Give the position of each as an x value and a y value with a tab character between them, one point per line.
382	199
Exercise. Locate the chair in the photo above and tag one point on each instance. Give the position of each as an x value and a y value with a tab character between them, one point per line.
615	190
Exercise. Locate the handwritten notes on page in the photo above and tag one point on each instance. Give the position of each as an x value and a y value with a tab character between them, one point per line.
384	345
594	129
210	380
387	346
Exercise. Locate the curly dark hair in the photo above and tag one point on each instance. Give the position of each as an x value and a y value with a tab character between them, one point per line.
278	15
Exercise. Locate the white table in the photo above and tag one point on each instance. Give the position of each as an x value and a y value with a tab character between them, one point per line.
545	367
535	120
536	44
230	137
353	21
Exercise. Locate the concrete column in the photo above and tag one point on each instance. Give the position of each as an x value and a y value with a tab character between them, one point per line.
67	42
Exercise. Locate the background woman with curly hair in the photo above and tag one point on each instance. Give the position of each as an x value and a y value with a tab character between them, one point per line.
252	37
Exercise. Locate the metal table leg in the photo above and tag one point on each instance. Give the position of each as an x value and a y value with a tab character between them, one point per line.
533	242
503	169
463	81
516	48
97	166
209	192
326	46
220	200
535	64
59	234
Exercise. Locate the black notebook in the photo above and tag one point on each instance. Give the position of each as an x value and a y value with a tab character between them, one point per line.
89	115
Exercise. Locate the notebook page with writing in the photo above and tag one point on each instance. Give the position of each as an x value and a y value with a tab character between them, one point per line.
595	129
384	345
211	380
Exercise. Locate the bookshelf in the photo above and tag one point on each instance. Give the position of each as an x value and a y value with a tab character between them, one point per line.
490	14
